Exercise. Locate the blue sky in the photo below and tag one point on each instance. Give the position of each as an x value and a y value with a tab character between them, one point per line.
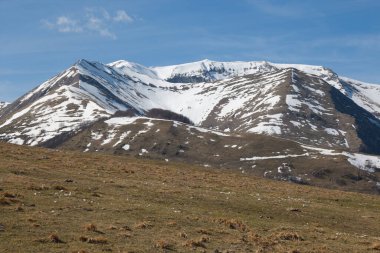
39	38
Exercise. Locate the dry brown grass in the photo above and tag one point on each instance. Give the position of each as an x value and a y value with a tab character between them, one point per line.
164	244
172	223
183	235
38	188
178	204
9	195
289	236
59	188
19	208
233	224
204	231
90	227
98	240
94	240
31	220
4	202
375	246
54	238
143	225
195	244
125	235
83	238
126	228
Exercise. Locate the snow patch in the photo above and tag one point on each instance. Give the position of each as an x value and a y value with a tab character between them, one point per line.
331	131
271	157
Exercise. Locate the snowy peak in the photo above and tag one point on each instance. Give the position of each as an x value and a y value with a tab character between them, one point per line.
213	70
207	70
132	69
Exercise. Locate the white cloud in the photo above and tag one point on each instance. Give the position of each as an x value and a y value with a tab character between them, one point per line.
66	24
122	16
95	20
63	24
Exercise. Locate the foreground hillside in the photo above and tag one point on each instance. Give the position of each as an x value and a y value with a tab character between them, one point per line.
58	201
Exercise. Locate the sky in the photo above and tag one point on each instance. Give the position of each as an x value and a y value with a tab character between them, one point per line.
40	38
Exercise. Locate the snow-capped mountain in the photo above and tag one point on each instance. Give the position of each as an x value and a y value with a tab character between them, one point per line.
268	119
308	104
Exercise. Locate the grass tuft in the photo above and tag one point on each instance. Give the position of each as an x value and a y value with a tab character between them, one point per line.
143	225
91	227
289	236
4	202
376	246
233	224
199	243
98	240
54	238
163	244
195	244
83	238
9	195
59	188
182	235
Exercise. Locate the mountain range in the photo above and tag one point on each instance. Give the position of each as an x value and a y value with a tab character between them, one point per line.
300	123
